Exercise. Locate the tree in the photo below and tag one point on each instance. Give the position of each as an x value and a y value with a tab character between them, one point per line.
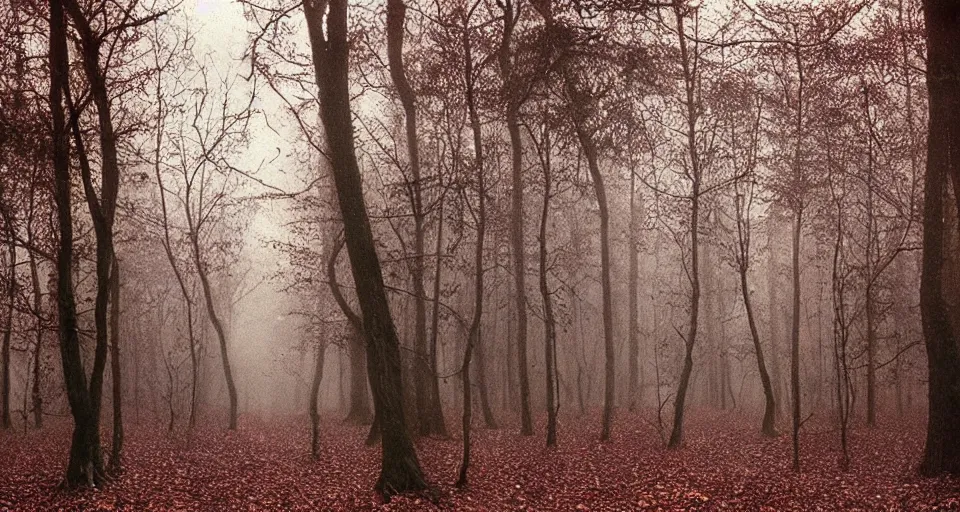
400	470
86	462
743	203
11	297
425	380
513	102
941	229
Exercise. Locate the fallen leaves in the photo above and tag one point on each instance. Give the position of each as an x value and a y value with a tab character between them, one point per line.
724	465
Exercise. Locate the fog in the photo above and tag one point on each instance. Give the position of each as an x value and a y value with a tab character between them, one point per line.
412	221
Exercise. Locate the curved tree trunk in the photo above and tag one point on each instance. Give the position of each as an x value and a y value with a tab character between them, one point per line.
770	408
400	470
314	397
609	395
86	462
742	204
549	323
214	319
516	213
474	335
690	84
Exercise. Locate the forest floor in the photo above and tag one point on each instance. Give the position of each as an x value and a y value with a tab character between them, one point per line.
725	464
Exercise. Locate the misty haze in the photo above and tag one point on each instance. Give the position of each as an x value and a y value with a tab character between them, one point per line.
480	255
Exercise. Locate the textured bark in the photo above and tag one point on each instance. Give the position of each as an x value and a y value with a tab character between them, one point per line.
942	449
400	470
36	395
85	466
116	451
8	332
314	398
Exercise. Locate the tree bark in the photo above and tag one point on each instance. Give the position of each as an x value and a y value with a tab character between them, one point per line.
690	84
609	395
314	398
635	398
212	315
116	461
8	332
429	411
478	270
942	449
516	214
400	469
86	462
742	207
37	397
795	340
549	323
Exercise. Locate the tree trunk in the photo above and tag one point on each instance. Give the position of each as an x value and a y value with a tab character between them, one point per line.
676	434
437	410
314	398
430	415
214	318
513	105
38	343
609	395
942	450
116	462
359	412
795	340
400	469
872	275
478	270
8	332
770	408
103	208
549	324
742	207
86	463
633	281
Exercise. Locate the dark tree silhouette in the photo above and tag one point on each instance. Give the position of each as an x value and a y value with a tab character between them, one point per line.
940	225
400	470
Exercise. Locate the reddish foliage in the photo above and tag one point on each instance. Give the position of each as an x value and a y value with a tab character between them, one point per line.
725	464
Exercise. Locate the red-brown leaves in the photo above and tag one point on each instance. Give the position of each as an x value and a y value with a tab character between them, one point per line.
725	464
